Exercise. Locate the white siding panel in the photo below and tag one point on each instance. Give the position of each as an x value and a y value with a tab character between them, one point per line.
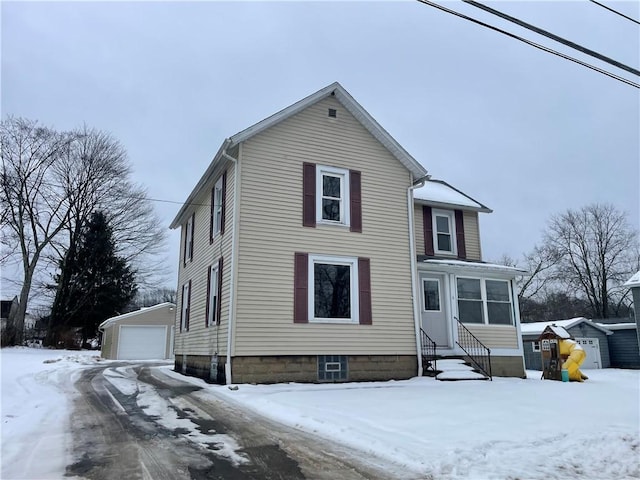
271	232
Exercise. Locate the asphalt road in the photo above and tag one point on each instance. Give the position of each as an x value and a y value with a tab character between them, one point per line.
116	437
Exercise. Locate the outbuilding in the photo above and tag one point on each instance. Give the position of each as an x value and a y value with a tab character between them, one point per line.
145	334
592	336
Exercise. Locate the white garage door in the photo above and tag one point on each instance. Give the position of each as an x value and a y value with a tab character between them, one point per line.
141	343
592	347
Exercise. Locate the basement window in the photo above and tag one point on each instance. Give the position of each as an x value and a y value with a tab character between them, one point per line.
332	368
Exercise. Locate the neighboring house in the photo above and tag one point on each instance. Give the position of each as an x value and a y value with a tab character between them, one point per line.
634	284
593	337
8	309
302	246
145	334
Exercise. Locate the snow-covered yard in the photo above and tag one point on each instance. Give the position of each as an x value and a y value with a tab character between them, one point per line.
505	429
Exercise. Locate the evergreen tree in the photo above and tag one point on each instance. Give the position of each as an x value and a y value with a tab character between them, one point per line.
93	284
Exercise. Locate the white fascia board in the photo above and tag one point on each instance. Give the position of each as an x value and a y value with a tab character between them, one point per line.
634	281
462	267
159	306
186	206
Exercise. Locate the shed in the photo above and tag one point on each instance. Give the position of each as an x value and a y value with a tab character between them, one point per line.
144	334
624	351
592	336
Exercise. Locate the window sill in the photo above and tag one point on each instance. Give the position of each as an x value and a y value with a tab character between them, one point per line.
332	224
335	321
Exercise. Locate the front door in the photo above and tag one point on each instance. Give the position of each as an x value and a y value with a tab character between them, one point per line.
435	322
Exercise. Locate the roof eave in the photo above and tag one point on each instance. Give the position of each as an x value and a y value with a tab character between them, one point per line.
480	208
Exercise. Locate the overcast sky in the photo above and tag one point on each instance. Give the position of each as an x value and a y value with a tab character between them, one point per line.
526	133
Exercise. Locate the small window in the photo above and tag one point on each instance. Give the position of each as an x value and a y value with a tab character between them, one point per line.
431	289
212	307
332	368
333	113
535	346
188	239
217	206
470	307
333	289
332	196
185	311
444	232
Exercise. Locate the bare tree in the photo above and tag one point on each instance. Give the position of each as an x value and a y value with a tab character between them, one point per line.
51	184
33	209
596	247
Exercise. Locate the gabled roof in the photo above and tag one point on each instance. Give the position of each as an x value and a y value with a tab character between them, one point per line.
536	328
634	281
337	91
440	193
159	306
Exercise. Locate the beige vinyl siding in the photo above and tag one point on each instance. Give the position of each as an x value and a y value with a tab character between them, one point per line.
271	232
418	227
471	235
200	339
495	336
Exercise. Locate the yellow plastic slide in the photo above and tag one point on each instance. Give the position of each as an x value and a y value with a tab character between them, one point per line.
576	356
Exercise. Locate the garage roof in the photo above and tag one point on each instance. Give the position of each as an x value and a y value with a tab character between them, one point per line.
536	328
112	320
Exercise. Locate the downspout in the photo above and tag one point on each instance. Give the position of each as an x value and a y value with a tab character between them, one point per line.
236	176
414	267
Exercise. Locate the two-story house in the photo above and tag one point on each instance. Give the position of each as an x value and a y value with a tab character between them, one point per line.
302	246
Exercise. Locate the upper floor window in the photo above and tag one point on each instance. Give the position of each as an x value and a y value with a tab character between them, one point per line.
218	194
332	195
444	232
484	301
188	239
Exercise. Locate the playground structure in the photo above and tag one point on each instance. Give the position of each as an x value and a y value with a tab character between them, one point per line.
561	354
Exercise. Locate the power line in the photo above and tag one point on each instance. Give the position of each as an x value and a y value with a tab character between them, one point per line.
615	11
533	44
553	36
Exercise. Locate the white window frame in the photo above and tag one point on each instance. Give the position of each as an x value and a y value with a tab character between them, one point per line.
424	303
188	253
345	200
535	346
217	207
352	262
450	216
213	294
185	307
483	296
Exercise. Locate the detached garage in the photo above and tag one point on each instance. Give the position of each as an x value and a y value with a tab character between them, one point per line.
146	334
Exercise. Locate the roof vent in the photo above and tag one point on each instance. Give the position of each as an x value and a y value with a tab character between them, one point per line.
333	113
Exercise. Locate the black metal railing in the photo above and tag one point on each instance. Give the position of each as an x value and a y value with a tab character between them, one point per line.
429	355
478	355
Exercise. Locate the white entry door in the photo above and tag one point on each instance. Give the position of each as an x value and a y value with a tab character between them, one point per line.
592	347
434	309
142	342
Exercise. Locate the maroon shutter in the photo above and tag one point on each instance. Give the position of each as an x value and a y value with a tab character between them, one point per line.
193	226
308	194
219	293
224	202
213	196
355	196
300	287
206	315
462	249
428	230
186	323
364	290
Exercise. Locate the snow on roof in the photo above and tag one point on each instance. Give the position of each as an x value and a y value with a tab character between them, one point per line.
441	193
559	331
634	281
536	328
111	320
487	267
618	326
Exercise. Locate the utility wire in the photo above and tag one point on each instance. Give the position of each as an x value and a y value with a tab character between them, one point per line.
615	11
533	44
553	36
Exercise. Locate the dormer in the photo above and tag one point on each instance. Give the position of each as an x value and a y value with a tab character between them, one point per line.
446	222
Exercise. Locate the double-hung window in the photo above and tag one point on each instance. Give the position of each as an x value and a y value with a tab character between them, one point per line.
484	301
218	200
212	300
188	239
186	307
444	232
333	289
332	195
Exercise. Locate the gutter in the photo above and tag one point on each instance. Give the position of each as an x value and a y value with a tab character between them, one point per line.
414	267
234	235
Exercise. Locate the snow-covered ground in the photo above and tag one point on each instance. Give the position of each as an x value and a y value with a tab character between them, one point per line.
505	429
